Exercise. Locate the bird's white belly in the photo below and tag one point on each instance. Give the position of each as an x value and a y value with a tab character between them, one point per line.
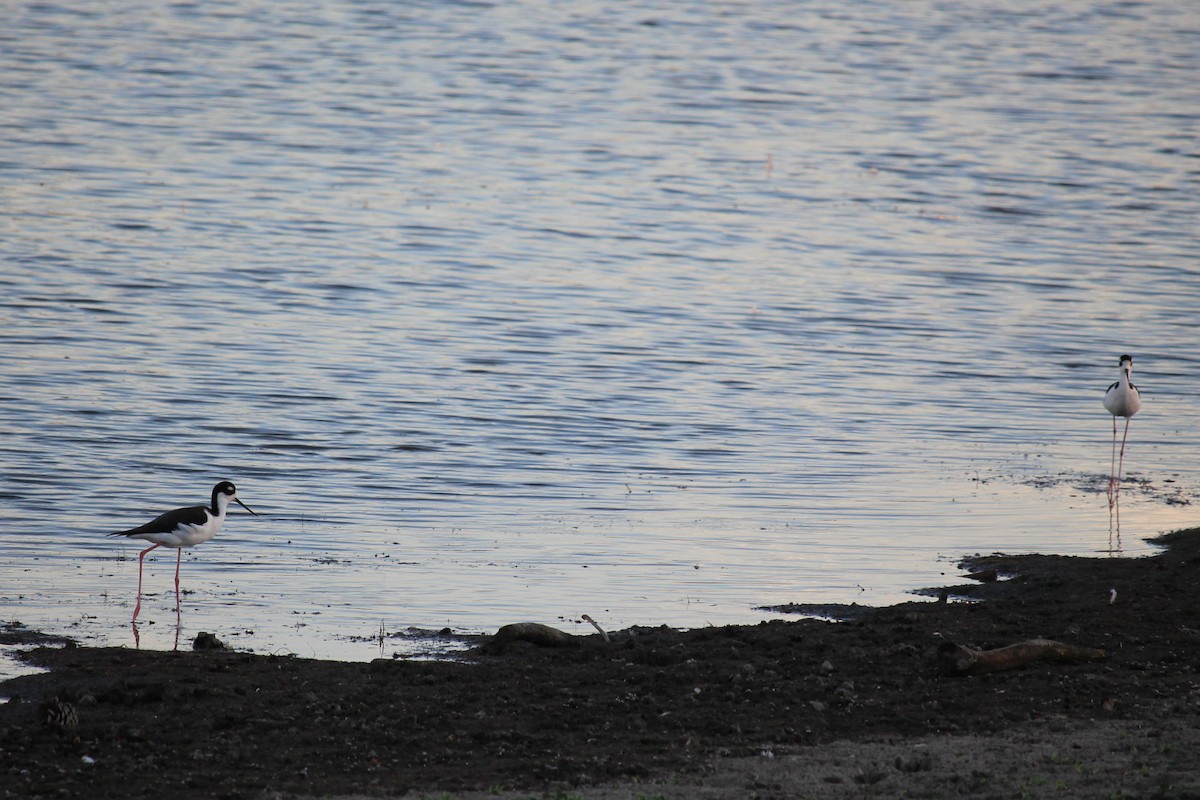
187	535
1122	403
195	534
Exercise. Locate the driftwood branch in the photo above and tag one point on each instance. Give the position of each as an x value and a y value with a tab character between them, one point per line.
532	632
957	659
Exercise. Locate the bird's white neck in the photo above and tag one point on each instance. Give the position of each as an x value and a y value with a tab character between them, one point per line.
1126	377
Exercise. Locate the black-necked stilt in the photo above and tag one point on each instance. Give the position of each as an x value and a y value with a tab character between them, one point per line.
183	527
1122	400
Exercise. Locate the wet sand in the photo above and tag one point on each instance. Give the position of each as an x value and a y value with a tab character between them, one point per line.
789	708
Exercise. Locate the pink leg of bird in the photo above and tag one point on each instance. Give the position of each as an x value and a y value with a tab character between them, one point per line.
141	563
1112	467
1121	462
178	558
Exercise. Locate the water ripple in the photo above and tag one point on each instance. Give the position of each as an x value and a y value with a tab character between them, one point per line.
733	309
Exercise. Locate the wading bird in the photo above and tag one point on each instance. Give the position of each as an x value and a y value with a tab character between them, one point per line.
183	527
1122	400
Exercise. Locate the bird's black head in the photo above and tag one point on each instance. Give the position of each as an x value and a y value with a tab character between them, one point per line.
227	489
1123	359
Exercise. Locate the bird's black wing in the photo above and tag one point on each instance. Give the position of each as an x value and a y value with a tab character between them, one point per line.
192	515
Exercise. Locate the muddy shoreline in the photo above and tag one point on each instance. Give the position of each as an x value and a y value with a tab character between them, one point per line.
781	709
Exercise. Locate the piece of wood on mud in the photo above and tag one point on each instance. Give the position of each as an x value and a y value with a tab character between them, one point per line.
532	632
957	659
984	575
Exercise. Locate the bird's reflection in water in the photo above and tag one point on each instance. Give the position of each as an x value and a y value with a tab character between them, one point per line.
1114	525
137	634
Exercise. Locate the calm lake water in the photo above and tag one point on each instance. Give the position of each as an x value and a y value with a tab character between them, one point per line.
652	311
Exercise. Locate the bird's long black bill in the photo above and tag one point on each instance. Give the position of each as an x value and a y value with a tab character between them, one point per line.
243	505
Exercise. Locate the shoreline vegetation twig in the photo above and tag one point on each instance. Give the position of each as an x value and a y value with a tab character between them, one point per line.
596	625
